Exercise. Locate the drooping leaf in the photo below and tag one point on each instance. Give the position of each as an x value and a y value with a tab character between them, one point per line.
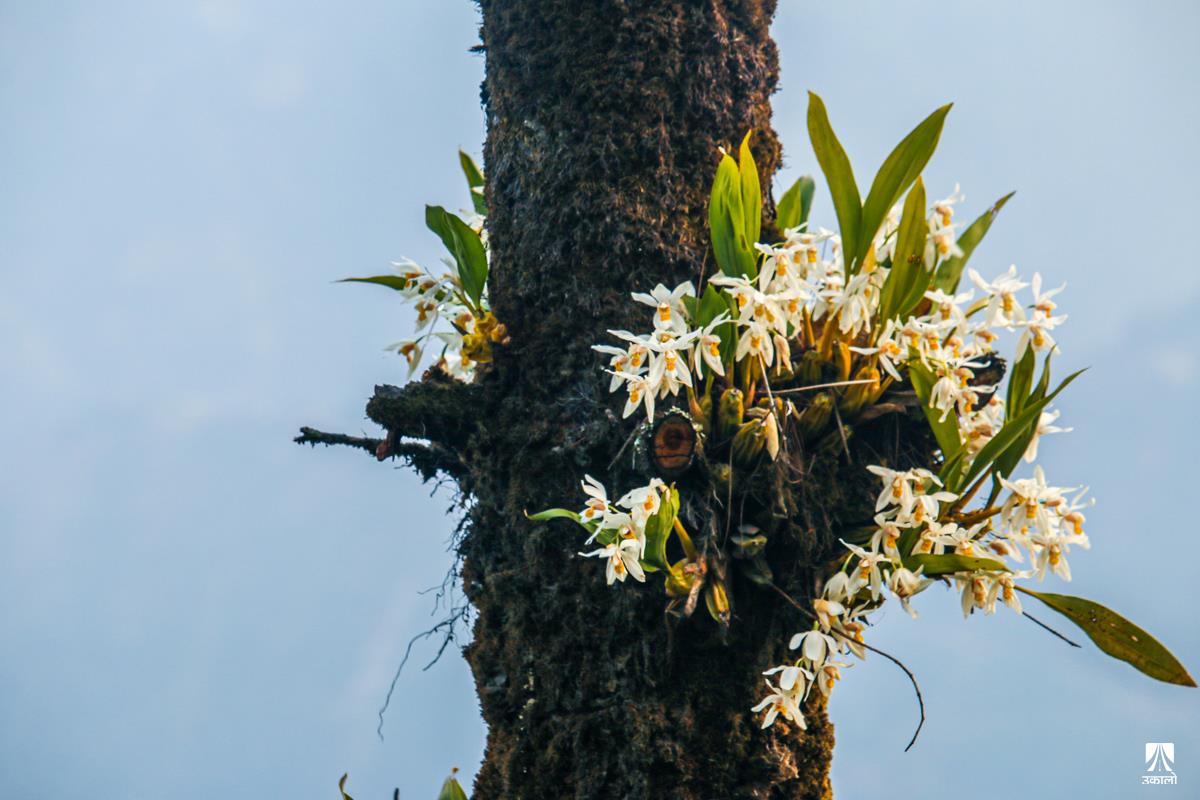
474	181
342	787
949	273
908	275
466	247
1009	435
793	208
391	281
1118	637
751	192
944	430
452	790
899	170
839	175
949	563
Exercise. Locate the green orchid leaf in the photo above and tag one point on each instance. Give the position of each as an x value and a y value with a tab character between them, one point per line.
658	530
466	247
949	273
899	170
751	192
1007	461
452	790
1019	383
948	564
1118	637
390	281
726	223
840	176
1011	435
554	513
944	430
342	787
908	275
474	181
793	208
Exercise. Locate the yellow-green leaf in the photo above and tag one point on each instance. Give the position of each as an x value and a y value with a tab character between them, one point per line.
391	281
908	276
949	563
835	164
474	177
553	513
899	170
944	430
793	208
949	273
451	790
1118	637
751	192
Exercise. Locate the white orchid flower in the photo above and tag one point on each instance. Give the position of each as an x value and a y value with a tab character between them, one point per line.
622	561
1002	309
1045	426
781	702
670	313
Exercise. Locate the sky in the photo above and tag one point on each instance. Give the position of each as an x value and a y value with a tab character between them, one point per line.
193	606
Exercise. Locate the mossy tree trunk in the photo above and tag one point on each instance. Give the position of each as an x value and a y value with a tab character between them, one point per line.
603	122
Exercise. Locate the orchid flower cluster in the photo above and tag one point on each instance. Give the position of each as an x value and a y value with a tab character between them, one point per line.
798	344
457	297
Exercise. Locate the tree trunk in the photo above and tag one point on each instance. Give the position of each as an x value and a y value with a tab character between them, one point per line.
604	118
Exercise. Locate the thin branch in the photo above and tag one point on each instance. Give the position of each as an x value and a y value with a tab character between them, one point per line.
912	678
823	386
315	437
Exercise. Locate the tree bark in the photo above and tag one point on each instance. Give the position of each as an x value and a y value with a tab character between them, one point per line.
604	120
603	123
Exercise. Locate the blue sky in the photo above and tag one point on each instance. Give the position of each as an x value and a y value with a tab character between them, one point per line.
191	606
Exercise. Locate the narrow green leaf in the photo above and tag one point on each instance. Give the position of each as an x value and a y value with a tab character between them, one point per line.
1118	637
908	274
390	281
949	563
342	787
1019	383
658	530
725	224
793	208
949	273
899	170
466	247
840	176
554	513
452	790
751	192
944	430
1010	433
474	181
1007	461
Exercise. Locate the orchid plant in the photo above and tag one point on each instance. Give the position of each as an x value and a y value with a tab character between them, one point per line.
457	297
796	341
